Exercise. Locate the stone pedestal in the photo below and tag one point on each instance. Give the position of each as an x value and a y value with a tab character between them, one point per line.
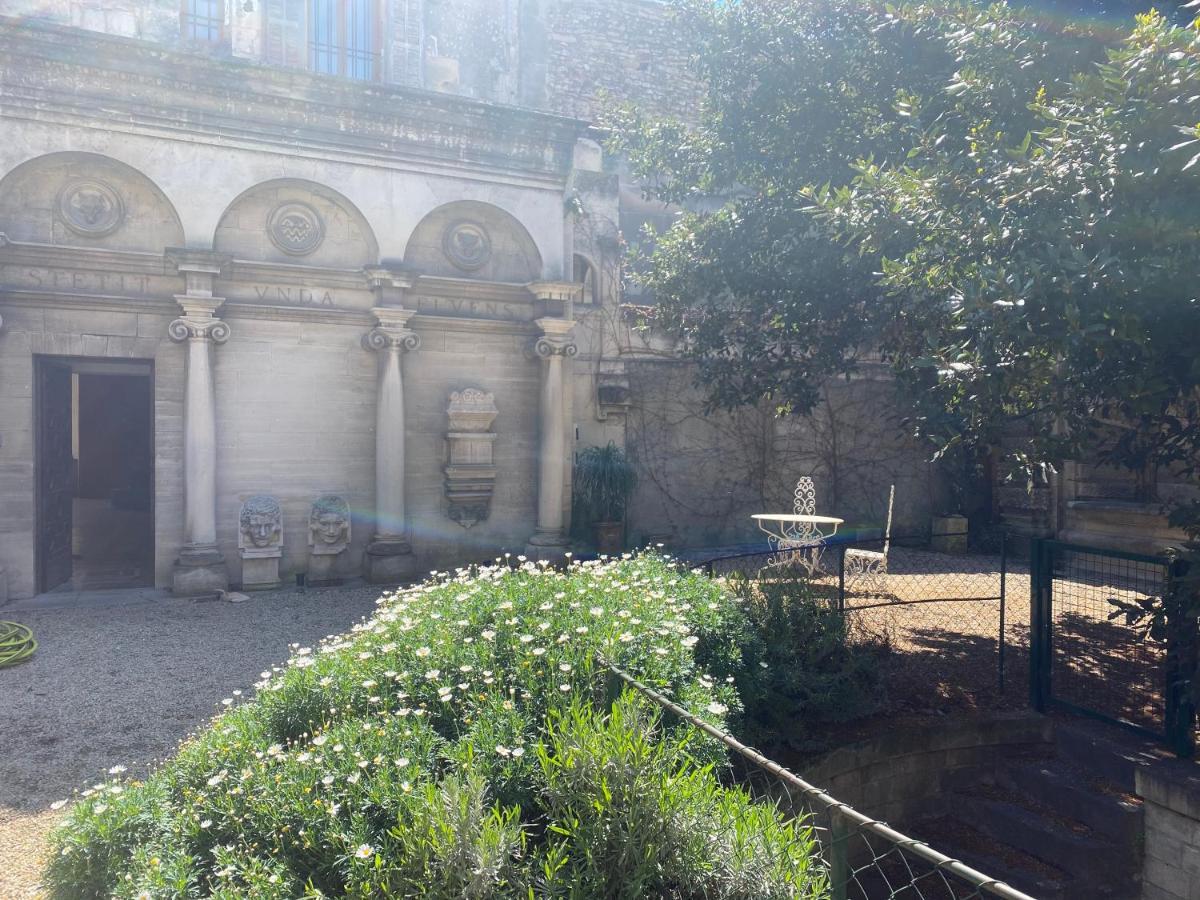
949	534
389	562
260	570
260	542
549	542
328	538
200	568
322	570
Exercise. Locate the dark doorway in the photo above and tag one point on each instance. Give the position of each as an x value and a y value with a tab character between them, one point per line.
95	486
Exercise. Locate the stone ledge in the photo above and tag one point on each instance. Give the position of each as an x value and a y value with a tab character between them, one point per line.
1173	785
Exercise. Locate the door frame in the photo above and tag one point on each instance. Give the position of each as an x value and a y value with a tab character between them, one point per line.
90	365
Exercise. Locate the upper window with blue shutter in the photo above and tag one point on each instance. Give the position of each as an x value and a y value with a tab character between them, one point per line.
344	38
203	21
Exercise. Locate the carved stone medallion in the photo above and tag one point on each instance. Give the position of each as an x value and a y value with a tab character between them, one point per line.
90	208
467	245
296	228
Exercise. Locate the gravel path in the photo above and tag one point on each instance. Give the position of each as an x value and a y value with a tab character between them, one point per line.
122	684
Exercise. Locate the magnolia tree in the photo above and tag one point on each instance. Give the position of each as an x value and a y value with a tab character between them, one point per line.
1006	206
1007	209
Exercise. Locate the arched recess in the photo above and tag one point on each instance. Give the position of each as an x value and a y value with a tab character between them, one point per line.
87	200
290	220
469	239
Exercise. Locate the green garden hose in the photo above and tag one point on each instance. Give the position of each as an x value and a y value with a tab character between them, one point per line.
16	643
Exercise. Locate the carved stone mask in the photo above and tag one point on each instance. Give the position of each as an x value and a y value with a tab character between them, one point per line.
330	527
329	521
261	521
260	530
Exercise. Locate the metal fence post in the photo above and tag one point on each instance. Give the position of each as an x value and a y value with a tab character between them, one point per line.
1180	664
839	856
1037	592
841	598
1003	600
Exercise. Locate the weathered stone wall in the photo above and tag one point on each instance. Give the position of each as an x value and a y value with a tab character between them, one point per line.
296	405
630	50
1170	792
556	55
906	774
704	473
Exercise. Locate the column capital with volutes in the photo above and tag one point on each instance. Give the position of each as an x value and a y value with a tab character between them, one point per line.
391	331
199	321
556	339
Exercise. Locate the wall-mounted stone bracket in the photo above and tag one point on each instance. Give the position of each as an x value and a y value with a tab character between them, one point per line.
470	469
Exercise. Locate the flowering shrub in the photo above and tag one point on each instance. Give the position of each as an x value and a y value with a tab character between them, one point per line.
463	742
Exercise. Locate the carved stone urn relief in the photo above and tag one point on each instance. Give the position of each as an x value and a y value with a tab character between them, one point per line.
260	542
470	469
328	538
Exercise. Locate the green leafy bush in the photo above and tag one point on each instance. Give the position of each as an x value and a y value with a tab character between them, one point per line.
460	743
799	669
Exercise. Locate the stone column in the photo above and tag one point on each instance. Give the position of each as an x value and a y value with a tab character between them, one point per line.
549	541
389	556
200	568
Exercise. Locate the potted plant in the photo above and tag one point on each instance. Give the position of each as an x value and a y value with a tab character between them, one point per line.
948	531
604	480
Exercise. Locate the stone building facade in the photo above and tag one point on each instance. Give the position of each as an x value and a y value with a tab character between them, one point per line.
334	288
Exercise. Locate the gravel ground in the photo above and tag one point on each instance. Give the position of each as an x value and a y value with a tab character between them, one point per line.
122	683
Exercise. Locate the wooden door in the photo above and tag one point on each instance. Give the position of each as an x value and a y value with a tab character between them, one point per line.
56	474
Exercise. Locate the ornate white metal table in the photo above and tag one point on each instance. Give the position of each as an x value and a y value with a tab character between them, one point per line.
797	537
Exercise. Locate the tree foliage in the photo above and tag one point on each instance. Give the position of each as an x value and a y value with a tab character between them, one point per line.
1005	205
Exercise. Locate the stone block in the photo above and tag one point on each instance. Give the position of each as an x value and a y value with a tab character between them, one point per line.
199	580
1171	879
389	562
260	573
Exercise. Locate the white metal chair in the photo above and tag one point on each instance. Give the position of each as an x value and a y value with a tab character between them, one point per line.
866	570
801	542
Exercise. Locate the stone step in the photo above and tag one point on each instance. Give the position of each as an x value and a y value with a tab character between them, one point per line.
1083	856
1107	751
958	839
1066	790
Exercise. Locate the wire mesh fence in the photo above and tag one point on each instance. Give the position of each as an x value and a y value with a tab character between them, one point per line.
863	859
1096	648
946	616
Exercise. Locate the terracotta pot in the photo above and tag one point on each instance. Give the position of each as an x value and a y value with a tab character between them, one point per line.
610	537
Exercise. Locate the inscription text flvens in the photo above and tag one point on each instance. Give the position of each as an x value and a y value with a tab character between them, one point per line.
473	309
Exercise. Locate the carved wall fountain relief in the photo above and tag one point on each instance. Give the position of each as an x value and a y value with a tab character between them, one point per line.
90	207
328	537
470	469
260	542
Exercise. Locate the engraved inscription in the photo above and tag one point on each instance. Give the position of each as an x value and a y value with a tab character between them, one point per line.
74	281
293	296
473	309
